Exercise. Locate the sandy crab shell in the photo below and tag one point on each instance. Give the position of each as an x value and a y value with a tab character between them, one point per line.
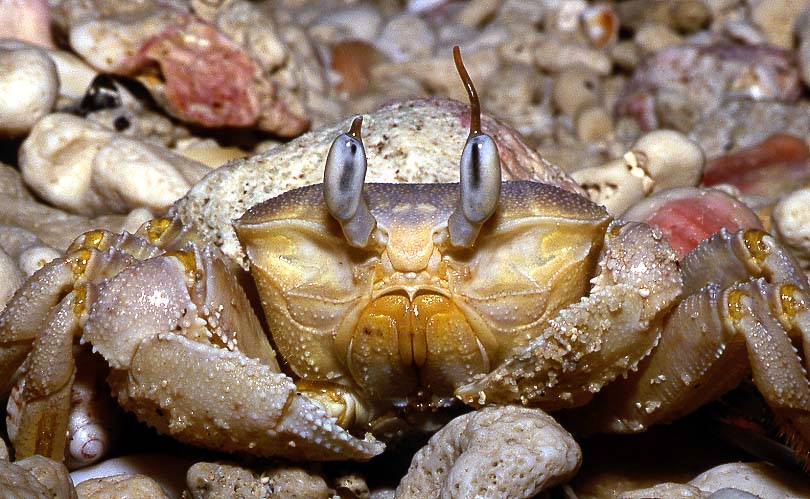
406	141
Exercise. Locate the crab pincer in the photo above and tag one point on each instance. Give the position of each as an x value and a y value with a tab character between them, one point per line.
186	353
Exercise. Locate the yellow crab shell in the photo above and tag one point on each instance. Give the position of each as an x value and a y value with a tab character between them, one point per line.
413	312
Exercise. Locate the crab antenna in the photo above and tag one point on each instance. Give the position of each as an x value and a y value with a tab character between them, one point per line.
475	105
343	180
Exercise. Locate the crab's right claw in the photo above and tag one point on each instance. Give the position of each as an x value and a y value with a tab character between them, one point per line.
222	399
181	366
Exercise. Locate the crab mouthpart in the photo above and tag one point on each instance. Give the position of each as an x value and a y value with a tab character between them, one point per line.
400	345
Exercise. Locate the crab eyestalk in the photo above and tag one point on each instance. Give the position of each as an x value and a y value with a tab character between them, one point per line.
343	180
480	173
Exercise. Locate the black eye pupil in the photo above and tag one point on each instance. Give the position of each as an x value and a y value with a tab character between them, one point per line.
475	165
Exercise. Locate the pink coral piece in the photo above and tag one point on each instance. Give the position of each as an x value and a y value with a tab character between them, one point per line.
768	169
209	78
689	215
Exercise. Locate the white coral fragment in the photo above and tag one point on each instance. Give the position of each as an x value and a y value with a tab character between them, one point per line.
224	481
671	158
791	222
659	160
35	477
82	167
504	452
121	487
761	479
29	85
168	471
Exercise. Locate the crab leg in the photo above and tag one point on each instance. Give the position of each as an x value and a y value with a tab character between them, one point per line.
715	337
21	324
95	253
776	368
737	257
692	365
39	323
593	341
40	402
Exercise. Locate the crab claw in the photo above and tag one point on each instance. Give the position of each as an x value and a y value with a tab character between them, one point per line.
180	364
227	401
591	342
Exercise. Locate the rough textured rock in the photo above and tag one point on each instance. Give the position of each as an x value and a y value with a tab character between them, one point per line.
505	452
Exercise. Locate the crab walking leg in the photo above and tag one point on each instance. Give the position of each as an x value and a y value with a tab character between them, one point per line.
40	402
701	355
224	400
697	360
727	258
22	320
94	254
791	306
775	365
591	342
504	452
36	323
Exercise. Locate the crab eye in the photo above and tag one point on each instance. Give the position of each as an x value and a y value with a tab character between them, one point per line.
480	189
480	178
343	181
480	171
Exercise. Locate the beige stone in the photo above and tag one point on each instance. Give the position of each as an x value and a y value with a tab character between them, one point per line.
82	167
29	85
121	487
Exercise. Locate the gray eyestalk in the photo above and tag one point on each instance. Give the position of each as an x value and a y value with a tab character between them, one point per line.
480	172
343	180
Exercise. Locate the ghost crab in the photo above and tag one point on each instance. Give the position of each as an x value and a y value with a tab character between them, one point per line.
382	295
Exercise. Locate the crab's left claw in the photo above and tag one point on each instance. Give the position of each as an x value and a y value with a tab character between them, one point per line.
591	342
